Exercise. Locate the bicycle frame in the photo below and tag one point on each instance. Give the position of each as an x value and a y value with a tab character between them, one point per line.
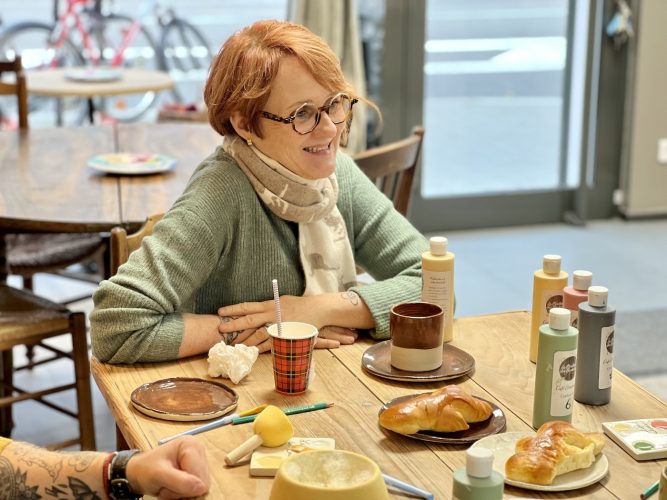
72	12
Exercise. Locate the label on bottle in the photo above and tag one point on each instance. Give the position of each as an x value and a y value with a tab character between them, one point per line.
562	383
550	299
437	289
606	357
574	318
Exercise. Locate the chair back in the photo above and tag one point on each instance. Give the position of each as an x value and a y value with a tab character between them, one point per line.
17	88
123	244
393	166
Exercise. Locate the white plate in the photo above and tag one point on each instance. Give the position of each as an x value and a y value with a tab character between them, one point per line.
93	75
503	447
131	163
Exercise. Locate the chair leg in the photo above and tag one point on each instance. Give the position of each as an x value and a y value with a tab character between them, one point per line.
82	374
29	349
7	366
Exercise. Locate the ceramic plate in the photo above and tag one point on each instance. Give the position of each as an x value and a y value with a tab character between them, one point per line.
493	425
93	75
131	164
184	399
502	446
455	363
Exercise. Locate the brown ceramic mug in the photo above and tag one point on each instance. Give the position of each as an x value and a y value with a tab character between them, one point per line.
416	336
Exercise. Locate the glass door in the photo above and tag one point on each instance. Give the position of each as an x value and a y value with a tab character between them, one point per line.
503	104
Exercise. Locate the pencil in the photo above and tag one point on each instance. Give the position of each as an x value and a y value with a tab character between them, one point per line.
287	411
650	490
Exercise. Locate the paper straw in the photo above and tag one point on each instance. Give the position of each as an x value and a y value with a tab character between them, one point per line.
276	301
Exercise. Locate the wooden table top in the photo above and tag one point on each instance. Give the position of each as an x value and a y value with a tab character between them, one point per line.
46	185
54	82
503	375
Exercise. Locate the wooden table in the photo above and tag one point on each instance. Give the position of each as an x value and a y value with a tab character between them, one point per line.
53	82
503	375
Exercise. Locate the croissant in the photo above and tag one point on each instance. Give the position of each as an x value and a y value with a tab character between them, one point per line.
556	449
449	409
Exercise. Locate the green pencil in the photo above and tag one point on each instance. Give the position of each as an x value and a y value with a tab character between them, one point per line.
287	411
650	490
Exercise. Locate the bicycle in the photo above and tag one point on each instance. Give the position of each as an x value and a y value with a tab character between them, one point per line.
118	40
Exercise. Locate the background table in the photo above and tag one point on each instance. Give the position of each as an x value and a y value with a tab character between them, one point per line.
503	375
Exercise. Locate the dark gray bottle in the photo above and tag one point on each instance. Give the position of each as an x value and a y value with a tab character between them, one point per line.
595	349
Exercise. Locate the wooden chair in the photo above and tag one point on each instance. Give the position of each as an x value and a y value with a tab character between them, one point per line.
393	166
123	244
29	254
17	87
26	319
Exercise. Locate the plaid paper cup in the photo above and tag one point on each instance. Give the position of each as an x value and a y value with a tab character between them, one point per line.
292	356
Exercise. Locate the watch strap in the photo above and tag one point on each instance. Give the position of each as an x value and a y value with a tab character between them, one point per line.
119	486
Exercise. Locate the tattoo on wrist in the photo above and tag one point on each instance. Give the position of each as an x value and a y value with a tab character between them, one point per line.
353	297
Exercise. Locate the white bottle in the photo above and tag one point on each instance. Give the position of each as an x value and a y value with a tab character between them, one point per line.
438	281
478	481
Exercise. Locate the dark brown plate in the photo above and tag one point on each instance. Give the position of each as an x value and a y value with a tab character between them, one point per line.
184	399
493	425
455	363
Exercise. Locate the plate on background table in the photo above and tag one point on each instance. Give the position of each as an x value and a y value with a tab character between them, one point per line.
131	163
503	447
184	399
455	363
493	425
93	75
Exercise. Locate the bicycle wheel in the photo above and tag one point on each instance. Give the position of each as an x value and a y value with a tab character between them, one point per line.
111	32
186	55
33	42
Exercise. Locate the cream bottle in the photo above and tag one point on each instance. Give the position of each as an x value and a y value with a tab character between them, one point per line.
553	397
576	294
438	281
478	481
595	348
548	284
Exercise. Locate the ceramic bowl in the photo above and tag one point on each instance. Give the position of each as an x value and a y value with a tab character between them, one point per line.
328	475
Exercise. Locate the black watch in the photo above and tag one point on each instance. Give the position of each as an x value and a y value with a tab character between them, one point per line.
119	486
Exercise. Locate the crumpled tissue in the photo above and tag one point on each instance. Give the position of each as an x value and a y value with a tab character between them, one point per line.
232	362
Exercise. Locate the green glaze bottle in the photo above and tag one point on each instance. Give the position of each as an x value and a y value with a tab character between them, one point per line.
478	481
556	363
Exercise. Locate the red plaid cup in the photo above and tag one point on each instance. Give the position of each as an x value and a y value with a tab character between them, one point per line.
292	356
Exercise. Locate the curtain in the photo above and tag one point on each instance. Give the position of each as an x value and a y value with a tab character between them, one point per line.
337	22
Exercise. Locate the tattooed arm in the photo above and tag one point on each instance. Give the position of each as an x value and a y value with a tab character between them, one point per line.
334	314
175	470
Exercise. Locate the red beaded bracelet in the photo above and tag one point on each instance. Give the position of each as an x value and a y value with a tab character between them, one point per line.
106	474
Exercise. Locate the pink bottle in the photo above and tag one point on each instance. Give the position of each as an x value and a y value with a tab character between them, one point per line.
578	292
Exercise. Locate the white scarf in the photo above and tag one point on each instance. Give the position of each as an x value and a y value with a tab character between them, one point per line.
324	248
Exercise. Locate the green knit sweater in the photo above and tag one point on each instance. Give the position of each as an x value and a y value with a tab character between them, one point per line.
219	245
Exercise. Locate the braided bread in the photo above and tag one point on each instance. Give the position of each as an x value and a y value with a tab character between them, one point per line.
449	409
556	449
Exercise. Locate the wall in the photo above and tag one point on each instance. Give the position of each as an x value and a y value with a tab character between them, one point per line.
643	179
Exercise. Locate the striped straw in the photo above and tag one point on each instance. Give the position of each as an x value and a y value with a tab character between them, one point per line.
276	301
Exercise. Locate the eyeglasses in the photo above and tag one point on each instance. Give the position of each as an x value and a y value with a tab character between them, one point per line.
307	116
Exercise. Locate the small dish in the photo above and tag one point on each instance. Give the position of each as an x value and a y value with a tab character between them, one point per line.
131	163
455	363
184	399
494	424
94	75
503	447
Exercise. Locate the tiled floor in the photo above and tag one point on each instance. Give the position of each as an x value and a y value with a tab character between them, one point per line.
493	273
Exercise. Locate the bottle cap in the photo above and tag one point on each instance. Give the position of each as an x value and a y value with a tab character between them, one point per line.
479	462
581	280
597	296
559	318
551	264
438	245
